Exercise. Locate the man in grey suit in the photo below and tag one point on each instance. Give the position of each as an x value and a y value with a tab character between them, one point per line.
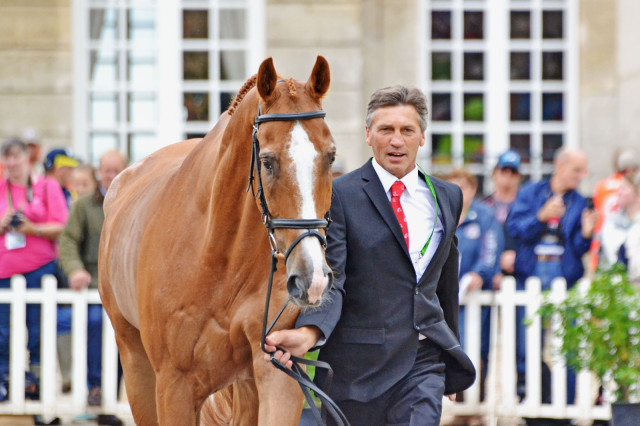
389	324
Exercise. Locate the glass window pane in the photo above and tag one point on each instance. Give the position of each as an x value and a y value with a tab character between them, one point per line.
141	145
550	144
520	24
440	25
441	65
520	106
103	109
103	24
473	149
142	109
552	106
441	149
232	24
197	106
141	27
473	25
232	65
520	66
99	143
552	65
142	68
195	24
441	107
195	65
473	66
225	100
521	143
473	107
552	24
103	67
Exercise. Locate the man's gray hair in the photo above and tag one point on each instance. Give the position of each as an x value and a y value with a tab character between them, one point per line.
395	96
10	143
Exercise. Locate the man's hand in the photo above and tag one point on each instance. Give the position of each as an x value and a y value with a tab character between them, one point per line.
295	342
6	219
508	261
452	397
554	207
79	279
589	218
476	281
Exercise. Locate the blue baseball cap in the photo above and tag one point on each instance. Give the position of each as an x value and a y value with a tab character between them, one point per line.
510	159
60	158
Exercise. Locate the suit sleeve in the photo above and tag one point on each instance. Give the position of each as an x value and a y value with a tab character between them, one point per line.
447	290
326	317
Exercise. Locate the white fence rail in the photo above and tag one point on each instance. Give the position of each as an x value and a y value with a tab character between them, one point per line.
500	400
52	403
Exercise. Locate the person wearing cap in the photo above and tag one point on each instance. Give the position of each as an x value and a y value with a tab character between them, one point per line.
59	164
553	226
626	162
506	182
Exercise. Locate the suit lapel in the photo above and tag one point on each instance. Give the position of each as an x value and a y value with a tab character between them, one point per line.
374	190
446	216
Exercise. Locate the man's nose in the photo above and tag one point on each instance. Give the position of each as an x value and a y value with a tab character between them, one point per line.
396	139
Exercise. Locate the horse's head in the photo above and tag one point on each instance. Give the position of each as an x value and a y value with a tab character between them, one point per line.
295	167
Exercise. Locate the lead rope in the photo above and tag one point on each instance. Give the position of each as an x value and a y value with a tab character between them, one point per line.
297	372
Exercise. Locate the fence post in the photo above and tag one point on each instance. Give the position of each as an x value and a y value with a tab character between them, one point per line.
506	299
533	347
48	334
109	365
558	367
79	348
18	343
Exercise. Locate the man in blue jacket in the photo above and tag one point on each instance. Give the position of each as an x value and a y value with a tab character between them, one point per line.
553	226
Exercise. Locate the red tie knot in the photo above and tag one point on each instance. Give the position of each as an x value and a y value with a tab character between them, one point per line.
397	188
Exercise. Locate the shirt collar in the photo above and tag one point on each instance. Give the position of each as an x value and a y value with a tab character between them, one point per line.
410	180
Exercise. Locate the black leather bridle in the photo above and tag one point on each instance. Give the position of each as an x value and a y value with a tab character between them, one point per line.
311	226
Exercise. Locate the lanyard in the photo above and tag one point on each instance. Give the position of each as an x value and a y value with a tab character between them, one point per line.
29	194
435	218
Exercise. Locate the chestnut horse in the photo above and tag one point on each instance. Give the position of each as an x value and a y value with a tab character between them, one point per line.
184	255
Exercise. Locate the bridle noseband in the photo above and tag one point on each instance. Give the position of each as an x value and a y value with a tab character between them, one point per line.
311	226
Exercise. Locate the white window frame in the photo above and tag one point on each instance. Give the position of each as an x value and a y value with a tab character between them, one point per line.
169	126
497	85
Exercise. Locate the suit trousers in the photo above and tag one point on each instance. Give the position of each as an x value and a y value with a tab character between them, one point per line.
416	399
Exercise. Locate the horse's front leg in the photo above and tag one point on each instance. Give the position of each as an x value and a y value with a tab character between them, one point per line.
175	398
280	396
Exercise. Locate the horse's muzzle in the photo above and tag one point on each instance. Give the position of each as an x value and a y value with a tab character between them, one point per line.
308	290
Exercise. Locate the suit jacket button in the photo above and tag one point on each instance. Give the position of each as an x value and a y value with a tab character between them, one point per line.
417	291
416	327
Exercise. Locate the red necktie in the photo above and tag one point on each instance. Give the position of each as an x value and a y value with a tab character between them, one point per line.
396	191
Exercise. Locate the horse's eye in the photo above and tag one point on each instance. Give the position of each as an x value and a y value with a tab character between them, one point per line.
268	166
332	157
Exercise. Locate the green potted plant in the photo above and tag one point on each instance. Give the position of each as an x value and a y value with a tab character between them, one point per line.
599	328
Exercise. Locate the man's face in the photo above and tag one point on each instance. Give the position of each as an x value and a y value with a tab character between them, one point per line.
506	177
110	166
572	170
395	137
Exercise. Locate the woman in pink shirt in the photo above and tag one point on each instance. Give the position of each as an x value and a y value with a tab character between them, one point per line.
32	215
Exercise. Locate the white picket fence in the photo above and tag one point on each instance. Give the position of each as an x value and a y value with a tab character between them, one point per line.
500	401
52	403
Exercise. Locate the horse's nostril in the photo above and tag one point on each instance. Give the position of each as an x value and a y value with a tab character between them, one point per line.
294	286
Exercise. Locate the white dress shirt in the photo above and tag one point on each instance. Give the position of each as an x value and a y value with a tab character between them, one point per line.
419	208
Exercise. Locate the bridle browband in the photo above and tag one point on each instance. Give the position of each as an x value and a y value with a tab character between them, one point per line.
311	226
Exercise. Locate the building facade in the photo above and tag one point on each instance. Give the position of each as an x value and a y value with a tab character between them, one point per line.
530	75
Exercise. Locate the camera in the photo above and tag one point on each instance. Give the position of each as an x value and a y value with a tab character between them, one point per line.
16	220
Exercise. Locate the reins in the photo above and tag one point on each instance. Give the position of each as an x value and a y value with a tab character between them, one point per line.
311	226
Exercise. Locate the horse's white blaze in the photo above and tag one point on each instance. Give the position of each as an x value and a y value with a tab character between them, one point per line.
303	154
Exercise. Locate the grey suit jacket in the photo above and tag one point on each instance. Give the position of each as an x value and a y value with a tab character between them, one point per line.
376	310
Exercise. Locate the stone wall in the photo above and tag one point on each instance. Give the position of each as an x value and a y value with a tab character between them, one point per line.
35	70
368	43
609	86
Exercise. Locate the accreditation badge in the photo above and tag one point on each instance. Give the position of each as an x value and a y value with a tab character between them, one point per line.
15	240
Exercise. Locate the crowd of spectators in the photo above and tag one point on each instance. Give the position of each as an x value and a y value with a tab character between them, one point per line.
50	223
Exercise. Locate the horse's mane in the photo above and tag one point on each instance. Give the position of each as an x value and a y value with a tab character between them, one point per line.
249	84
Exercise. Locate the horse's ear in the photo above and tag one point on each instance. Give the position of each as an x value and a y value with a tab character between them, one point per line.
267	79
320	77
